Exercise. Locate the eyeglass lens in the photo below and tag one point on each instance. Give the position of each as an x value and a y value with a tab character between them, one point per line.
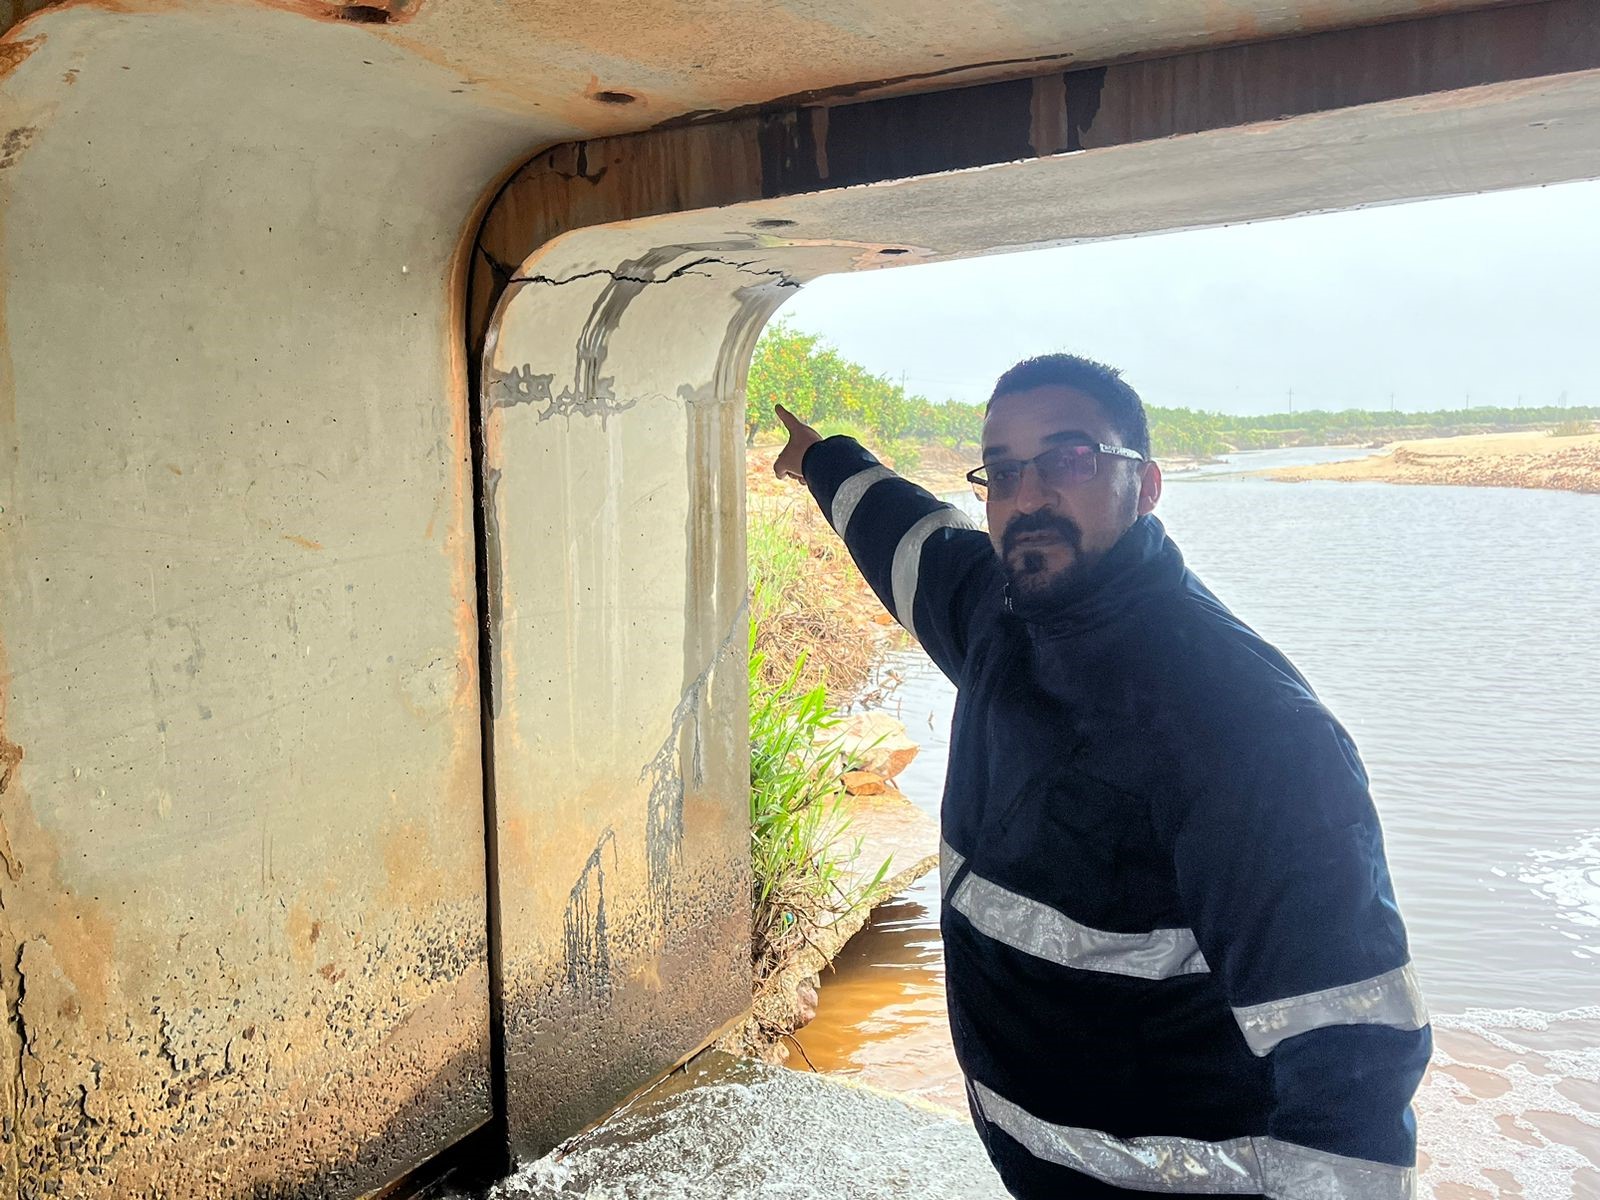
1064	465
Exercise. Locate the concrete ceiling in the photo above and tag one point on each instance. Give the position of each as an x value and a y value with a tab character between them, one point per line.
567	65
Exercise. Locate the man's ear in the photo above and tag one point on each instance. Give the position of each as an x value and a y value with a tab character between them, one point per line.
1149	487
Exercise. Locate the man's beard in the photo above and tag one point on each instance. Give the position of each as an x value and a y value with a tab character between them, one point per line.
1033	582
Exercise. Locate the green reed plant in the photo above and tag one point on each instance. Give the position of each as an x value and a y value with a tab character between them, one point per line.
797	820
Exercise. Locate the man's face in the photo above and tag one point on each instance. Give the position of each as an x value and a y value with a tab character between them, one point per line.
1048	536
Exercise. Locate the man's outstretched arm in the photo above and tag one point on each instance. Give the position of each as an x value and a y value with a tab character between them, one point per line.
927	563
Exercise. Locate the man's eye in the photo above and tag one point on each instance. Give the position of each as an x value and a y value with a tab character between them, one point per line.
1005	473
1065	457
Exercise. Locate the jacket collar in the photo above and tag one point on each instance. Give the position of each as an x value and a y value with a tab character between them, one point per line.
1144	563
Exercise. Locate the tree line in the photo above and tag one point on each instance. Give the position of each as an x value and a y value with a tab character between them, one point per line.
802	371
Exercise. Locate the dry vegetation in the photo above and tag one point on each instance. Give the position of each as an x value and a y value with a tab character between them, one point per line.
809	598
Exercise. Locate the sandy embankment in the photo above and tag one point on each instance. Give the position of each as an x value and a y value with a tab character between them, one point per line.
1522	460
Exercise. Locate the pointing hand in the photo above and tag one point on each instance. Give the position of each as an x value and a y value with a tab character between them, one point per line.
801	438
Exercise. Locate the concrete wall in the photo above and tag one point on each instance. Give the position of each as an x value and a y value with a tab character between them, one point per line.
615	460
243	942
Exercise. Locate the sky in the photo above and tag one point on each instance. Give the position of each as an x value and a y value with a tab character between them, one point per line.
1486	299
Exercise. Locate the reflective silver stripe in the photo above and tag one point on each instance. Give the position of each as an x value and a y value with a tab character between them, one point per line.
850	493
908	557
949	863
1393	998
1047	933
1291	1172
1237	1167
1146	1164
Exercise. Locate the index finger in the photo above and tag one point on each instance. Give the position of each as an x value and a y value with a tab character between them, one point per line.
791	422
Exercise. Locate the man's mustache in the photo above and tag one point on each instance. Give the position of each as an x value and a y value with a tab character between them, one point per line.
1041	522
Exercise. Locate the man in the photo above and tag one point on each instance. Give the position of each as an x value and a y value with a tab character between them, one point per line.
1173	957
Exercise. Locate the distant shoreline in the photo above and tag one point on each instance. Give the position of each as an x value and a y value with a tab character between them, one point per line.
1515	460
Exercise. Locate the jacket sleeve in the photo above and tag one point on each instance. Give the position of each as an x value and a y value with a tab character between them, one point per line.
1281	872
924	559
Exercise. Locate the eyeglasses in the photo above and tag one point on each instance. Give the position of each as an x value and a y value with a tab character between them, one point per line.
1059	466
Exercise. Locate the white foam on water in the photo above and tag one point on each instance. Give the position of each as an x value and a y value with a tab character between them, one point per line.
1503	1109
788	1137
1571	879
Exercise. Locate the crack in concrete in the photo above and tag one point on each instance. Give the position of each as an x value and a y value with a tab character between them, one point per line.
12	1135
501	272
687	268
593	394
782	276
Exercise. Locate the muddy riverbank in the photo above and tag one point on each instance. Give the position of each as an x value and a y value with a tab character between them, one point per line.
1516	460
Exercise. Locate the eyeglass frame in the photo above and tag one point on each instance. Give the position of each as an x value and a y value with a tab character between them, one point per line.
980	486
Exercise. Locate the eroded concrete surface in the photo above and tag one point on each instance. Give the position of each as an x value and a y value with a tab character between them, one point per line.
243	867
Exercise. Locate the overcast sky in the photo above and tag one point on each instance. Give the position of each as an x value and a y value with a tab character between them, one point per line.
1494	296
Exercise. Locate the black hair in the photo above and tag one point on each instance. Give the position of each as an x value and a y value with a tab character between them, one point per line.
1105	384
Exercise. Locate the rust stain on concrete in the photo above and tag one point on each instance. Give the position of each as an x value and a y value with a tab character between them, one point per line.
301	932
365	12
408	863
14	53
58	972
16	13
298	540
1229	21
458	544
166	1099
10	760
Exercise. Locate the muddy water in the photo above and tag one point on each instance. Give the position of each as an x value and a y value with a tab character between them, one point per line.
1455	631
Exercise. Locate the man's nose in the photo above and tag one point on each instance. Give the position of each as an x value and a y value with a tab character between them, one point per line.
1033	495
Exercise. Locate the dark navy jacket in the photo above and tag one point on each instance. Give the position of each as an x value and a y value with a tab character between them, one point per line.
1174	960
